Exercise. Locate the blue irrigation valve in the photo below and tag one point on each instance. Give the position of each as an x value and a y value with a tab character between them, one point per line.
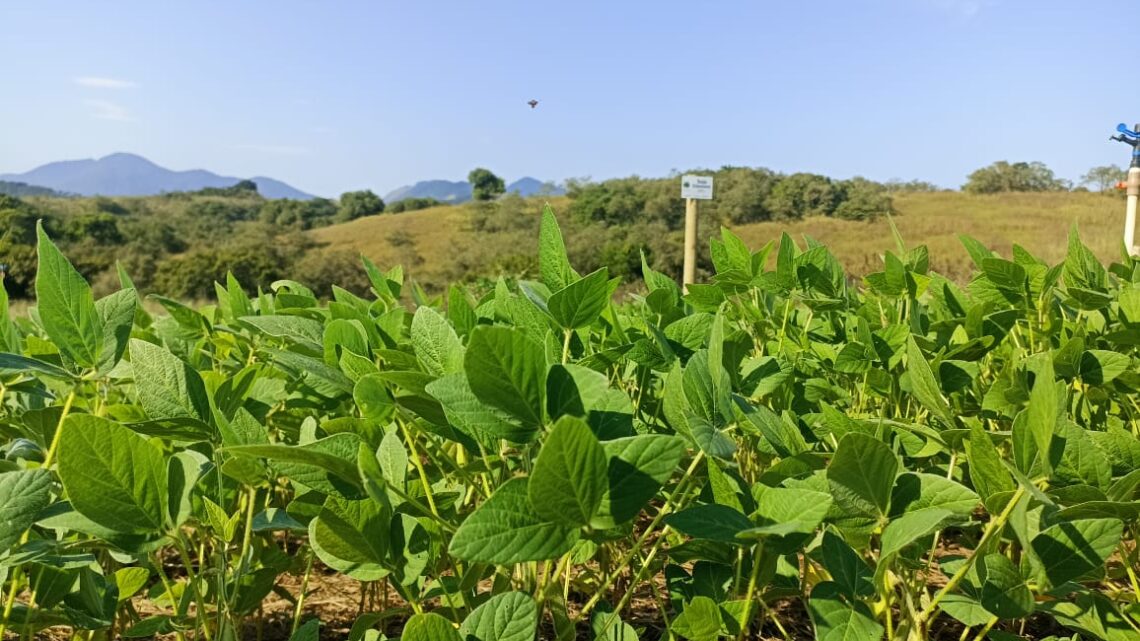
1129	137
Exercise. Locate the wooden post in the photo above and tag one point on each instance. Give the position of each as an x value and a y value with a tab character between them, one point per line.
1130	212
690	273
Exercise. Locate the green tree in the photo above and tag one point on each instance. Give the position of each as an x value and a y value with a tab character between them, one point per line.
1105	177
485	185
800	195
1003	176
358	204
862	199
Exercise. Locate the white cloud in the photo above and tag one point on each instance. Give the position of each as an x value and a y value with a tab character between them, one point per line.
107	110
99	82
280	150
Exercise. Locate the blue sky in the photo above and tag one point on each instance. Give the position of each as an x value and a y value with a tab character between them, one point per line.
332	96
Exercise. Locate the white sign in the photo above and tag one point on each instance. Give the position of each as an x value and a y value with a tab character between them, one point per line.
698	187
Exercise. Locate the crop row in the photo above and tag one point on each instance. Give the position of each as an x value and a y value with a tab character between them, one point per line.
777	452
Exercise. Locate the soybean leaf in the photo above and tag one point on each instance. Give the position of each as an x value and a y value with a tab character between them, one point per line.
637	467
700	620
923	384
511	616
848	570
506	529
988	474
838	620
712	522
113	476
484	423
168	387
66	306
429	626
507	369
1004	591
435	343
1042	410
552	261
580	303
116	316
569	476
862	474
23	495
351	536
1074	549
327	465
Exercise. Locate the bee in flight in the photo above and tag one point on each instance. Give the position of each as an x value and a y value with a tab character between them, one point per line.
532	103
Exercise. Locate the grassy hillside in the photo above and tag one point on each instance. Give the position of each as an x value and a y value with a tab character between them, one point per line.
435	244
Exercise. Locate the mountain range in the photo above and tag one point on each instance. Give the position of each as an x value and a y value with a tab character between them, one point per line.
123	174
460	191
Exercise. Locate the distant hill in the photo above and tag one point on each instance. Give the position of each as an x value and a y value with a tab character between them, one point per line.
24	189
125	174
442	190
460	191
528	186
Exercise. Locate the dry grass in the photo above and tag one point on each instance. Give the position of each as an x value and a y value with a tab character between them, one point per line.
1038	222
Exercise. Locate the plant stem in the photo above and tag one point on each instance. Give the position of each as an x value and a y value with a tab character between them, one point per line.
993	526
665	509
746	620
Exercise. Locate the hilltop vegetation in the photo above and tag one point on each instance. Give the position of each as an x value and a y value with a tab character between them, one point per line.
179	244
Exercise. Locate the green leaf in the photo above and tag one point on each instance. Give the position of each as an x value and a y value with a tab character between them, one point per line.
699	621
505	530
511	616
712	522
1100	367
580	303
1004	591
429	626
23	495
988	474
66	306
907	529
637	468
923	384
113	476
918	491
797	510
17	363
352	536
309	631
467	414
553	263
862	474
850	573
168	387
435	343
1042	411
327	465
116	316
837	620
569	476
1074	549
507	369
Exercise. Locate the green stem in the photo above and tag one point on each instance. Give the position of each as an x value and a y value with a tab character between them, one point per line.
566	346
601	590
993	526
746	620
301	596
